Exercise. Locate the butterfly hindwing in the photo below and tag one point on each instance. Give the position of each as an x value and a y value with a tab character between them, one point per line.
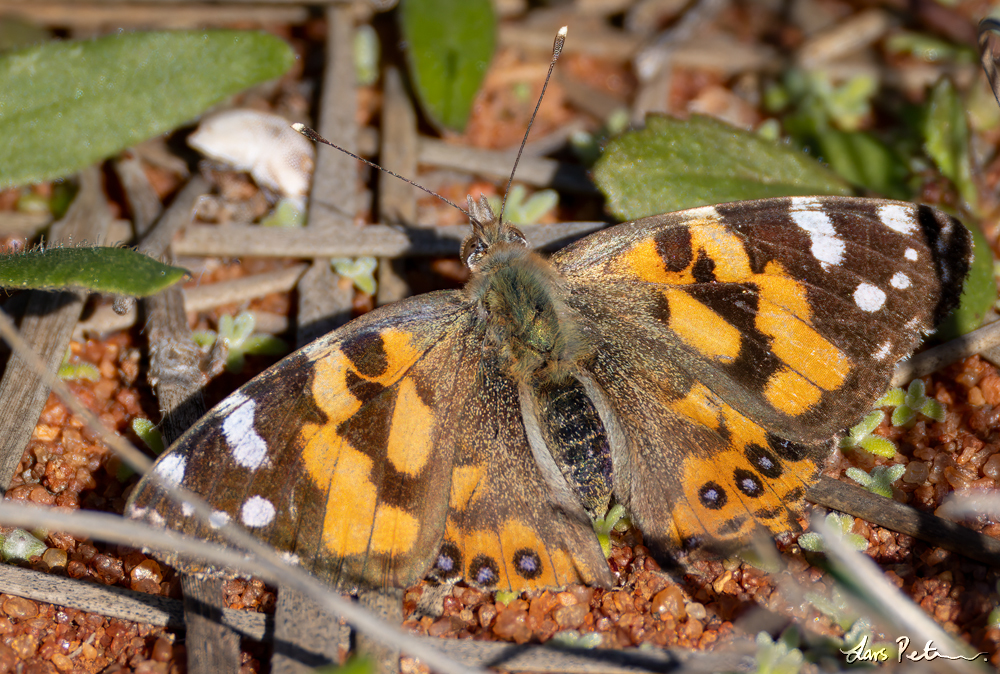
514	521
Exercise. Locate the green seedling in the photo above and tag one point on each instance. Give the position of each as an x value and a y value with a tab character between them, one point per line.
841	525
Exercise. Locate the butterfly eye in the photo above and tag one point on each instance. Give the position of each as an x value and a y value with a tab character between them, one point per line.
514	235
473	249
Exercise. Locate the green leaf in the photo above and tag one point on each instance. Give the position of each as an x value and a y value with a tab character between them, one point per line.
65	105
361	270
107	270
946	139
894	397
366	55
863	160
20	546
777	657
238	333
840	525
449	45
505	597
978	295
356	665
147	432
522	211
880	480
673	164
70	371
879	446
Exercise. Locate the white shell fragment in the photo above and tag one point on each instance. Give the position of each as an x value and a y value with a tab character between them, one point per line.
262	144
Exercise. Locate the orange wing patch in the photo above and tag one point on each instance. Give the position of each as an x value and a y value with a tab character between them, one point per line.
701	328
706	251
346	379
411	430
672	258
466	483
754	480
784	315
514	558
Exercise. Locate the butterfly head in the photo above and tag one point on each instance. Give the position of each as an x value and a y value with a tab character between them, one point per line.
489	235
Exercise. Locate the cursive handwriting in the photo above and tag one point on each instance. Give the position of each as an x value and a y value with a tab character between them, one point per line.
861	654
930	652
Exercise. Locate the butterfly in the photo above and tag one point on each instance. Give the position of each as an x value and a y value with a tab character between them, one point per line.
696	367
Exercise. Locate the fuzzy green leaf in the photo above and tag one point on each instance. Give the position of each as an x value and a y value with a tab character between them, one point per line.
361	270
863	160
880	480
879	446
673	164
946	139
121	271
65	105
449	45
20	546
894	397
978	295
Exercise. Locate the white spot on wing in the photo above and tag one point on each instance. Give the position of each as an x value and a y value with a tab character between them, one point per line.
809	215
910	255
702	213
900	281
883	351
257	511
868	297
218	518
899	218
187	509
171	468
248	448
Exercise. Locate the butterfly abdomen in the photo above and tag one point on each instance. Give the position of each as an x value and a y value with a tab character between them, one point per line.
575	435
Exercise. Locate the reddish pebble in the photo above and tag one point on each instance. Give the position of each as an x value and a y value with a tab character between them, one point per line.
571	617
8	658
442	627
24	645
19	607
669	601
109	569
487	613
147	570
512	624
39	495
62	662
54	558
145	585
163	649
693	630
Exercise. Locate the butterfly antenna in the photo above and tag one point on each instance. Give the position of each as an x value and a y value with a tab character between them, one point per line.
315	137
557	48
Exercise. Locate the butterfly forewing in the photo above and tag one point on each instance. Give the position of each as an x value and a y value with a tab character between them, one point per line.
334	454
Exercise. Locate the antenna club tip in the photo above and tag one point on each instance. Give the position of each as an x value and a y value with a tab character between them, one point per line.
298	126
563	31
